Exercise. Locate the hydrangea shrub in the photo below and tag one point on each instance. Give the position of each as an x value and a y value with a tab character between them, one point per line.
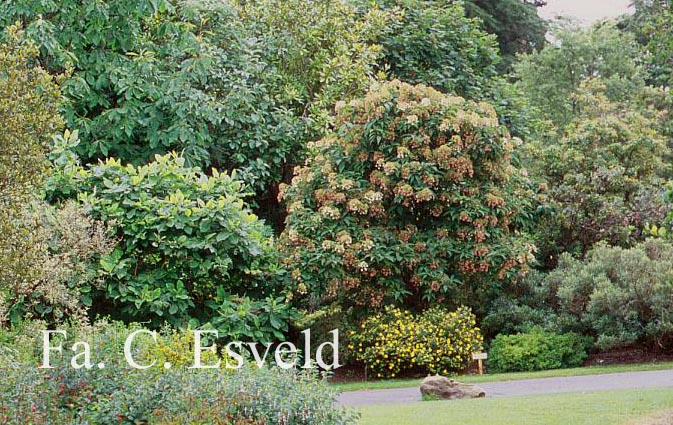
412	199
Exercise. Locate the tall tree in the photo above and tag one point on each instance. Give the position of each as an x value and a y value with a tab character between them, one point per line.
233	85
652	24
551	78
153	76
436	44
516	23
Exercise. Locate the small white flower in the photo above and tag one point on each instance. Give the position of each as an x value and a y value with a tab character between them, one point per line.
363	266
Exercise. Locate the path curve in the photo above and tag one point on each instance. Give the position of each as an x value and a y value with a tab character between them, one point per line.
587	383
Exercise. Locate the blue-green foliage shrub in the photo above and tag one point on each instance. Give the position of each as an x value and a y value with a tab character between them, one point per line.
536	350
189	248
120	394
621	296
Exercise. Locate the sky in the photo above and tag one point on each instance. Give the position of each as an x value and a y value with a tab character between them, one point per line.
585	11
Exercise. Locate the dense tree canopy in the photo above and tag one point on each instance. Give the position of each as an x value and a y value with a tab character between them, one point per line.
150	76
552	77
227	84
516	23
651	24
605	175
436	44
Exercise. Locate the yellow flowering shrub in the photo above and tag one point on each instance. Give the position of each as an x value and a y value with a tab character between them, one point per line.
436	341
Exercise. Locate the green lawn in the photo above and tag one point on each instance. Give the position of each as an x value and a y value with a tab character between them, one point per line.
475	379
597	408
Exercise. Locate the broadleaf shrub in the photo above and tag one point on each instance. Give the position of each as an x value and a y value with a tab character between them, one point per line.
536	350
246	319
187	241
435	341
412	200
52	254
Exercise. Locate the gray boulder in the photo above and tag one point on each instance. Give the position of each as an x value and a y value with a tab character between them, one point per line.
442	387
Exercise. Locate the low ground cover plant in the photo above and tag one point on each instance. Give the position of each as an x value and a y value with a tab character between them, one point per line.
119	394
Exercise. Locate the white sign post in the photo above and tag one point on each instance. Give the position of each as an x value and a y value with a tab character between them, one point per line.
480	357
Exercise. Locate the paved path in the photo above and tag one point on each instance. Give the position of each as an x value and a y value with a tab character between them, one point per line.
613	381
